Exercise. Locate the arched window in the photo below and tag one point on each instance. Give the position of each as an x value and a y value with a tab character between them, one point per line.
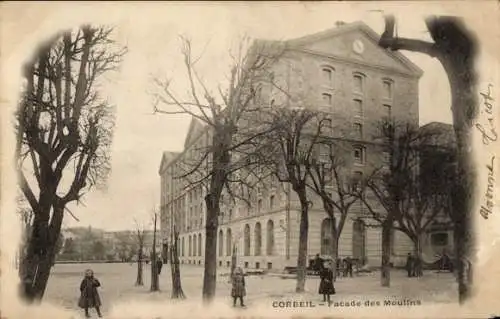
199	245
229	244
271	202
359	240
358	130
246	239
221	243
189	246
328	76
358	108
258	239
326	237
270	238
387	85
388	111
194	244
327	99
182	248
359	83
359	154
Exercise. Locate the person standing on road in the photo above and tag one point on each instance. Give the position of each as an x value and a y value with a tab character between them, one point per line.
326	287
89	296
349	265
238	290
417	267
159	265
409	265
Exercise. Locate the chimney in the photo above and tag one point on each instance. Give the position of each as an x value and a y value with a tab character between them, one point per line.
339	23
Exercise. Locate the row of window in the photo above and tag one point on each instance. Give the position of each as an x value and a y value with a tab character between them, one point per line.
258	239
194	246
357	106
359	82
195	242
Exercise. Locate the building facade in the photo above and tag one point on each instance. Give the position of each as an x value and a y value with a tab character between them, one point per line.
344	72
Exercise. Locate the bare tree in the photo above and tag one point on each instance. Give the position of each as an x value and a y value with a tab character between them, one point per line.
400	188
329	180
140	234
155	278
26	216
225	114
177	292
64	127
290	148
455	47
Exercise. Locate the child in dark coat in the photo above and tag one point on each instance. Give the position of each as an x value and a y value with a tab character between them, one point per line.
89	296
326	287
238	290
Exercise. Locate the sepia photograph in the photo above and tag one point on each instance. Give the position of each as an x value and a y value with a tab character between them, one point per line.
249	159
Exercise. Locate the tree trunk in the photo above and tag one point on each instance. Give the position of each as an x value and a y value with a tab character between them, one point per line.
234	261
210	270
303	238
462	89
335	246
155	278
177	292
418	254
139	281
385	270
455	47
40	252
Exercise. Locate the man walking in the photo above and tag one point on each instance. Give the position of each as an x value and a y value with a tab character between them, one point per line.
410	265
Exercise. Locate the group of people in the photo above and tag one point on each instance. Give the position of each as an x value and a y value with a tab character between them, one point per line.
344	267
414	266
326	287
89	295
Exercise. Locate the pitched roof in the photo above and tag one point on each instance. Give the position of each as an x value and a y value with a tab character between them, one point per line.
195	127
349	27
166	158
275	47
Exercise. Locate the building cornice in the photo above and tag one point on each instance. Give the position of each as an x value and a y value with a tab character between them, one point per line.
357	63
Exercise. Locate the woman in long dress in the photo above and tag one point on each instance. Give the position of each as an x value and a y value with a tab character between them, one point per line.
326	287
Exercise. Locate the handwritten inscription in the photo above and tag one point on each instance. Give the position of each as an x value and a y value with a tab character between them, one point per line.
488	130
487	207
489	135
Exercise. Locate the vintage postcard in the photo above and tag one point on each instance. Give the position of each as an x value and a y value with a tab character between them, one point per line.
250	159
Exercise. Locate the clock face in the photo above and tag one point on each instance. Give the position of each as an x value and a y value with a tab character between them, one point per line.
358	46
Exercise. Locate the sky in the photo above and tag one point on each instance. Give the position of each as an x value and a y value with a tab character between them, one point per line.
151	34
